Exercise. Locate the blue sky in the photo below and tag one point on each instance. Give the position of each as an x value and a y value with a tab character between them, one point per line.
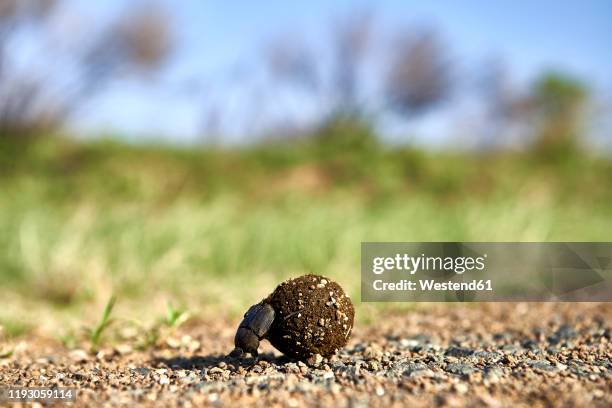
219	43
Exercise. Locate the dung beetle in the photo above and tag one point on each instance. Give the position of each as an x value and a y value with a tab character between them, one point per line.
302	317
253	328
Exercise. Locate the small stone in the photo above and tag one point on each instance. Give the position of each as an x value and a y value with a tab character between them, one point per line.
459	352
541	365
173	342
460	388
193	346
79	356
462	369
123	349
315	360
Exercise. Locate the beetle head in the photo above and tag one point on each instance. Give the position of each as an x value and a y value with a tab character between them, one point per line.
254	327
245	341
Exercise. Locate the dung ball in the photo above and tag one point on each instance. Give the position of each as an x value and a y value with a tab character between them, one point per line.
313	316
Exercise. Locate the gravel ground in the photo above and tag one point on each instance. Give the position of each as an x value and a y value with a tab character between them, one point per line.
487	354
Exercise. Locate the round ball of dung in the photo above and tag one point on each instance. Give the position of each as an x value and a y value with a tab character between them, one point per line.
313	316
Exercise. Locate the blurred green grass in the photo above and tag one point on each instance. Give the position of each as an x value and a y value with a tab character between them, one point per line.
216	229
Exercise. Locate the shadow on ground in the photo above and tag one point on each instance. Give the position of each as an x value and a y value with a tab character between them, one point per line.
213	360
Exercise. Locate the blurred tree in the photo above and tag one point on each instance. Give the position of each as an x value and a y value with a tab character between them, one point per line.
420	76
419	79
140	39
31	103
559	101
351	40
21	96
506	106
336	88
293	62
494	85
334	85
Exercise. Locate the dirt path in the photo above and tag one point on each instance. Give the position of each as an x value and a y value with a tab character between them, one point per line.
494	354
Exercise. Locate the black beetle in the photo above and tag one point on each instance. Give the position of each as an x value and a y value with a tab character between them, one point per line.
253	328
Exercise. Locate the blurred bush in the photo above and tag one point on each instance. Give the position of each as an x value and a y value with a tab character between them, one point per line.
559	103
32	101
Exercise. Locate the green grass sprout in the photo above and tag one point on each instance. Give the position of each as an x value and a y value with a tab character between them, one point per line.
96	334
175	316
6	353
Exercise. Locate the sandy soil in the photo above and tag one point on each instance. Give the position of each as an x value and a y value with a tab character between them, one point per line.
488	354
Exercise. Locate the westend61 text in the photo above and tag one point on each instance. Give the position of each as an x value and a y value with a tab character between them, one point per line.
432	285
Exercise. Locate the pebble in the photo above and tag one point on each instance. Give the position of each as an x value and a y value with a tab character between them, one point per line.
315	360
459	352
462	369
79	356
